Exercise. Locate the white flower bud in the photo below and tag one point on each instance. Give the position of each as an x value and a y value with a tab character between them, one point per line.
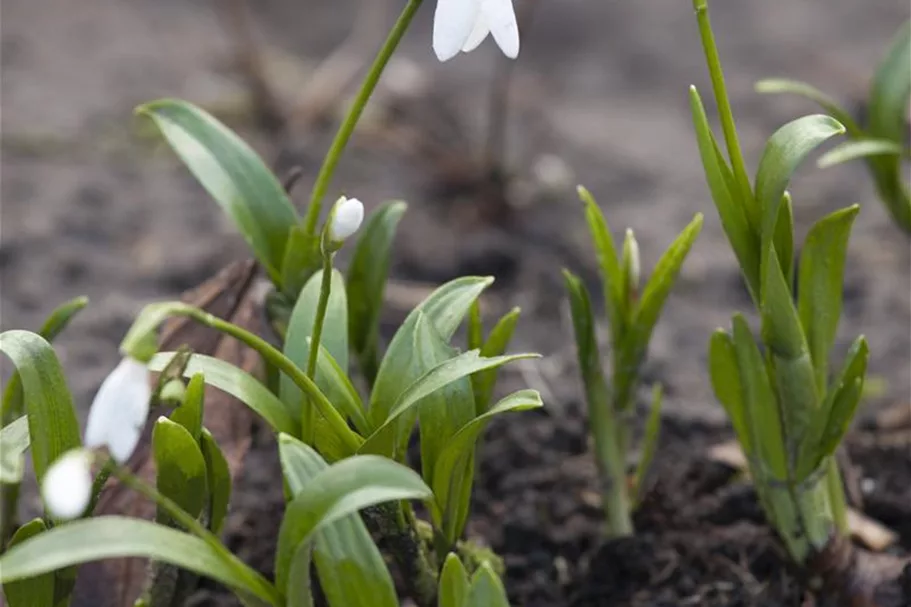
67	485
631	254
119	410
462	25
346	218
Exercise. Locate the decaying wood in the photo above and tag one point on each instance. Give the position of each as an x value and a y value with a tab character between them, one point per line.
230	295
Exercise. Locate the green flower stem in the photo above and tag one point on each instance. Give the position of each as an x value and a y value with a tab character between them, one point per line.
316	336
354	114
721	97
196	528
98	484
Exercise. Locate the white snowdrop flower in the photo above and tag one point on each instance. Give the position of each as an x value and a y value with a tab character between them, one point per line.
67	484
119	410
462	25
347	218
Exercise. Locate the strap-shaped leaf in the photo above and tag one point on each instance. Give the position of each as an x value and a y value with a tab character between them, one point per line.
446	307
337	387
454	468
338	491
366	282
454	584
486	589
784	151
350	567
180	468
496	344
35	591
233	174
189	413
862	148
724	374
821	277
783	239
238	383
218	481
649	443
891	89
110	537
14	440
733	212
53	427
808	91
609	263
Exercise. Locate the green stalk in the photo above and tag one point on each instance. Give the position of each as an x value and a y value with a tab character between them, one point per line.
315	339
324	177
610	440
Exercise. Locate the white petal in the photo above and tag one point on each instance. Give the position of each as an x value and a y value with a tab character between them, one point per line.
452	23
480	31
346	219
501	19
119	410
67	485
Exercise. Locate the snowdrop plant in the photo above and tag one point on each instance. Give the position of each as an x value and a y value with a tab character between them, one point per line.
882	142
788	411
632	314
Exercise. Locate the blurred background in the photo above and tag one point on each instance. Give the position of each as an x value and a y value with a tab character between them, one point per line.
93	203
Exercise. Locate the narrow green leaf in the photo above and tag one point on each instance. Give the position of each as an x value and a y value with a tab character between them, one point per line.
338	491
37	591
233	174
300	328
496	344
863	148
109	537
608	261
454	584
338	388
795	87
53	427
891	89
189	413
350	567
301	261
784	151
783	239
781	328
649	443
454	468
733	213
725	376
821	278
486	589
180	467
239	384
475	327
366	281
218	481
14	440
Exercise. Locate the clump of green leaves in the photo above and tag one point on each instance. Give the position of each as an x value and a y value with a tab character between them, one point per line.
788	414
882	141
632	317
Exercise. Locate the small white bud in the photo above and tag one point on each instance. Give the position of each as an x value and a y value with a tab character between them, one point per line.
631	255
67	485
119	410
346	218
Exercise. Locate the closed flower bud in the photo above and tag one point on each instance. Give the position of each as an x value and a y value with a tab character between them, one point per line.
462	25
67	485
631	263
119	410
346	218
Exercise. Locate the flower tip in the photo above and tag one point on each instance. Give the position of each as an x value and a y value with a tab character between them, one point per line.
347	218
67	485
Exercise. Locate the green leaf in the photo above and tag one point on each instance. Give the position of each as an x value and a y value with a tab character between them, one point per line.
233	174
15	439
180	467
238	383
475	327
435	379
725	376
366	281
446	307
795	87
109	537
784	151
350	567
483	383
297	339
218	481
762	419
37	591
781	328
734	213
863	148
821	278
783	239
53	427
649	443
302	259
338	388
891	89
189	413
454	584
338	491
611	271
486	589
454	468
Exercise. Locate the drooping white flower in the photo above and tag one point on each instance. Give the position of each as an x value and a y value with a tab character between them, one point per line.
67	484
462	25
119	410
346	218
